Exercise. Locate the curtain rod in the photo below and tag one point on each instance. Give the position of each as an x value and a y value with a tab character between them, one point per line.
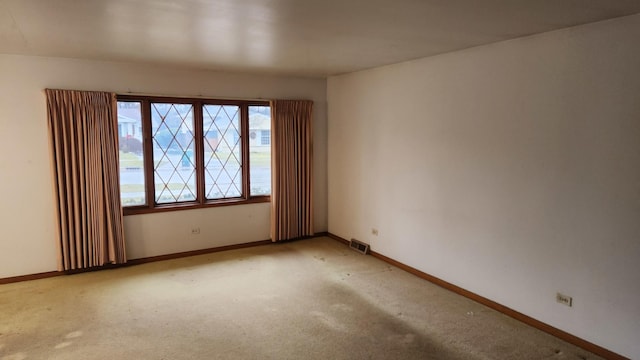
199	96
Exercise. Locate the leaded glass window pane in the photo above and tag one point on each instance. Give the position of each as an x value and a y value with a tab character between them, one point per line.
222	151
172	130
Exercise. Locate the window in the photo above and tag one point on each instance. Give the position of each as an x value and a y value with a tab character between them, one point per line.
173	142
260	153
265	137
132	175
222	157
186	153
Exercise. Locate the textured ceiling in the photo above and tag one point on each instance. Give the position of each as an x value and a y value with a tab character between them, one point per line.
295	37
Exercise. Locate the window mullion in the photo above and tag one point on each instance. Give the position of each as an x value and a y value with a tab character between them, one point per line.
199	139
244	139
149	179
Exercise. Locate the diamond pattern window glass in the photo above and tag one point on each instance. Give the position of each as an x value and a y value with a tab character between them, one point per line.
174	167
222	151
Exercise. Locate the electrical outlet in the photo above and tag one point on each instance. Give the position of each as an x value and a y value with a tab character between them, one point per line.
374	231
195	231
564	299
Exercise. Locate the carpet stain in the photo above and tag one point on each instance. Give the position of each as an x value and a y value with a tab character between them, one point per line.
73	335
63	345
328	321
381	333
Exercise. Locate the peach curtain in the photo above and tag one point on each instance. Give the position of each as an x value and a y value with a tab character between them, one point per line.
83	134
292	173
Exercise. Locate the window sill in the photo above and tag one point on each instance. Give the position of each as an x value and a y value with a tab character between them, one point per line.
137	210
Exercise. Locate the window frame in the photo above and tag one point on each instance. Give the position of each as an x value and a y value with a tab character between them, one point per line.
147	149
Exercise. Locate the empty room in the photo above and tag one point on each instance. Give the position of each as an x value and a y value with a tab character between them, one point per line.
251	179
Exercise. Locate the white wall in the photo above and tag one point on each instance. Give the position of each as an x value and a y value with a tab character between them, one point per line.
27	218
511	170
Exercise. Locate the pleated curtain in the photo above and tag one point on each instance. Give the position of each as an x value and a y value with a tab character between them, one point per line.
83	133
292	170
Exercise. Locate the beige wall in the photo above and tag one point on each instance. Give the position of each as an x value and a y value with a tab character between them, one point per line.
511	170
27	240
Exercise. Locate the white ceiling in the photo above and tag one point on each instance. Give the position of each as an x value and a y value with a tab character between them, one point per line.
295	37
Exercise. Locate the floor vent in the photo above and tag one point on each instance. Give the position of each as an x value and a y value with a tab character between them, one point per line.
359	246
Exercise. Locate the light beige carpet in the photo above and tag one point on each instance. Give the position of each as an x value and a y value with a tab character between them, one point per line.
311	299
